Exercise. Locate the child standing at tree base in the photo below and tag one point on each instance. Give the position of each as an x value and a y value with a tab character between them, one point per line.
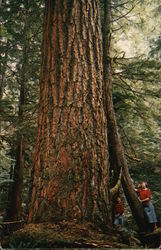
119	216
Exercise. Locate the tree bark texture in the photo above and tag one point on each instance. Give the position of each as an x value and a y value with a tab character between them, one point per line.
70	163
117	157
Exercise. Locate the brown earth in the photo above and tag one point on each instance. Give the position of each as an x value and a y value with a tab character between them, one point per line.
69	235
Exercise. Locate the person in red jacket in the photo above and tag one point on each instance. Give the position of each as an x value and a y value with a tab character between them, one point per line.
119	216
145	199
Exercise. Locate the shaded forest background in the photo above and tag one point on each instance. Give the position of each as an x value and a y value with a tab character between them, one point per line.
135	61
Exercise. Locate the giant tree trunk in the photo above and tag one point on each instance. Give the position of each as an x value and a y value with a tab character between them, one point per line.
70	164
117	156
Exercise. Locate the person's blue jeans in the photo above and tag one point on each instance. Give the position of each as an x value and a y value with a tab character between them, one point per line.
120	220
150	211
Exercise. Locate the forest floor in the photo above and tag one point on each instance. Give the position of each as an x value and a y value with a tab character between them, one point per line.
69	235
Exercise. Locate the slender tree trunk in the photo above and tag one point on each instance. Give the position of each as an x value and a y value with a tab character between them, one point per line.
14	211
117	156
15	192
70	164
107	91
2	75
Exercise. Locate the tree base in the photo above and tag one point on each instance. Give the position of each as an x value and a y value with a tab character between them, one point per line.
70	235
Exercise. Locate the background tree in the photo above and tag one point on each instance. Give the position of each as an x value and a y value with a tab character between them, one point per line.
21	48
136	78
117	157
136	92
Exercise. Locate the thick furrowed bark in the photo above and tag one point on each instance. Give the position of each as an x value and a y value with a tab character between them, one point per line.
71	160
